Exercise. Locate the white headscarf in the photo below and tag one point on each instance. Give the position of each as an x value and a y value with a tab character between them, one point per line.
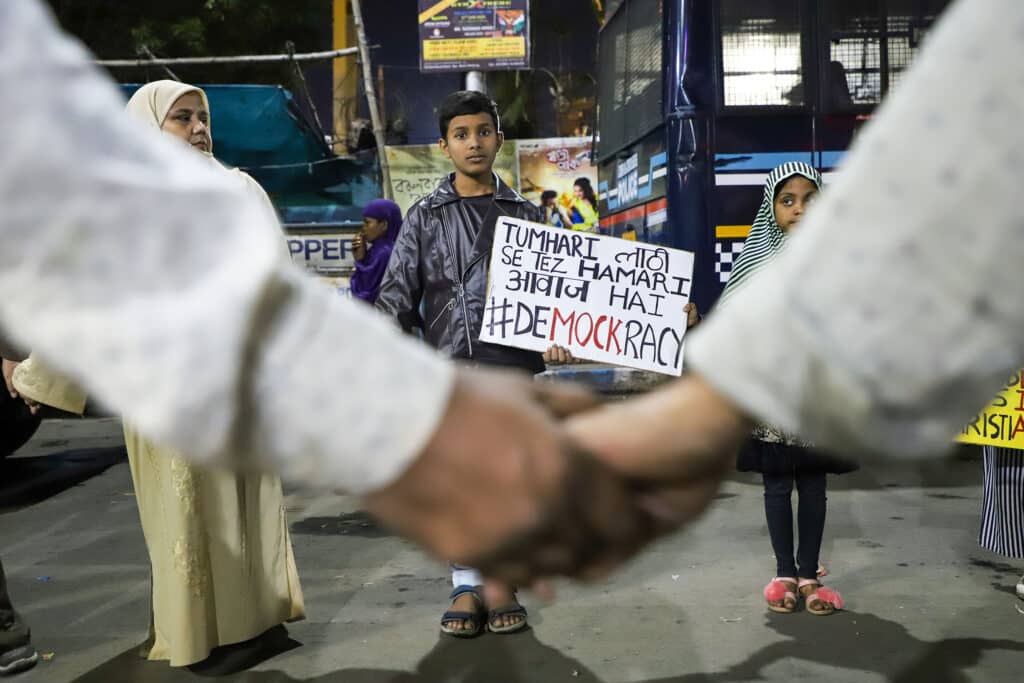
152	103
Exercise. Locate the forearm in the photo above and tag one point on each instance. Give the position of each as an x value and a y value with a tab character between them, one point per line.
338	395
157	281
688	415
893	316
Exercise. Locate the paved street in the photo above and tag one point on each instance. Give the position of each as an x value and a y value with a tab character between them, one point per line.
925	603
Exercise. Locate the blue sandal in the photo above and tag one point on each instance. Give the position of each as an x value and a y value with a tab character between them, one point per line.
513	610
476	617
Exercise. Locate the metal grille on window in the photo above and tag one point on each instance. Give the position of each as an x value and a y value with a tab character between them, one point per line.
612	85
872	44
909	22
902	47
762	57
855	53
644	91
631	66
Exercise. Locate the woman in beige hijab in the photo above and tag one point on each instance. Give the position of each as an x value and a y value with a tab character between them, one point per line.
223	568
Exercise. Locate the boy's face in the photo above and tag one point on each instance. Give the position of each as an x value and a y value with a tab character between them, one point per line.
472	144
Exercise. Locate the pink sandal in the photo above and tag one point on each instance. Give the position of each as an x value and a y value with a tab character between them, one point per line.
828	600
780	593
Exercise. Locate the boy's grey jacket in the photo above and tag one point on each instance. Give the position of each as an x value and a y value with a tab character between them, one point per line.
442	260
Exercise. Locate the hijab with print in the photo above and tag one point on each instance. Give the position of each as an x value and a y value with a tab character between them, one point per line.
766	238
369	273
151	103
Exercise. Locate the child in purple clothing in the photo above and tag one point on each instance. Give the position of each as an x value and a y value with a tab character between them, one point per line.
382	219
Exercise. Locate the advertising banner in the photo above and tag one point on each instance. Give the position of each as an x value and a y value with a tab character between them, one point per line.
554	165
474	35
416	170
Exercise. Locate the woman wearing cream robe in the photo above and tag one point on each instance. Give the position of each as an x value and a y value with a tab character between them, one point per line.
223	568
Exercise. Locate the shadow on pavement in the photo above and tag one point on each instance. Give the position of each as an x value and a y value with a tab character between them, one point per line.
860	643
29	480
227	663
491	659
851	641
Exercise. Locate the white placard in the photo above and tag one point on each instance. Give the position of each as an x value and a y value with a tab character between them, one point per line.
604	298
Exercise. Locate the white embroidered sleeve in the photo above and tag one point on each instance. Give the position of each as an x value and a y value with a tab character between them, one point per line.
895	313
154	280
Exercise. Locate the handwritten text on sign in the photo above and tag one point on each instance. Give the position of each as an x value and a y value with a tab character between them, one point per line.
1002	422
603	298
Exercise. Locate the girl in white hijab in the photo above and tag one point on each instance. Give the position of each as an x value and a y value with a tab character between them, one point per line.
223	568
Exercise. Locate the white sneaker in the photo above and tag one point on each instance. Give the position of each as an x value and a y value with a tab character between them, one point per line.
1020	588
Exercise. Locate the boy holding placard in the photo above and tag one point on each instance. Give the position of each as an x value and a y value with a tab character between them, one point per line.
436	283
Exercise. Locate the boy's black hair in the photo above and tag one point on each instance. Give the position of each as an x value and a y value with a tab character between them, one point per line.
546	195
466	103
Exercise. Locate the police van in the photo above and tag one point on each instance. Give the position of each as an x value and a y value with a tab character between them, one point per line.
700	99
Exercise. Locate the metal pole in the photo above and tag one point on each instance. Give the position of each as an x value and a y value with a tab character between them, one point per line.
371	98
476	80
152	57
242	59
300	81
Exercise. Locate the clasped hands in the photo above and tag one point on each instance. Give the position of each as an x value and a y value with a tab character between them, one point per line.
528	480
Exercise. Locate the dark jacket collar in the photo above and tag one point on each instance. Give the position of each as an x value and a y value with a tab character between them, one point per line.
446	194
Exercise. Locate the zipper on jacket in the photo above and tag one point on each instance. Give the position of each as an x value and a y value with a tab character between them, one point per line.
465	217
448	307
458	276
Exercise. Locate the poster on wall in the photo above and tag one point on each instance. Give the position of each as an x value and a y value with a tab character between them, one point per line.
417	170
474	35
604	298
554	165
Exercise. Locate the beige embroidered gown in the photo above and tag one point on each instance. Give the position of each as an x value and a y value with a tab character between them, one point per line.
223	568
218	541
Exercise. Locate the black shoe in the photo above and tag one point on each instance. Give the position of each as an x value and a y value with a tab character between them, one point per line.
227	660
17	659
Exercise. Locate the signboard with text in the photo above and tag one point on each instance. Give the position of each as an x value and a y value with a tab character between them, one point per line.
322	252
1002	422
604	298
474	35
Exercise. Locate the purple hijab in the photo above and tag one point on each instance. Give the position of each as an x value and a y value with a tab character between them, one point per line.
366	281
